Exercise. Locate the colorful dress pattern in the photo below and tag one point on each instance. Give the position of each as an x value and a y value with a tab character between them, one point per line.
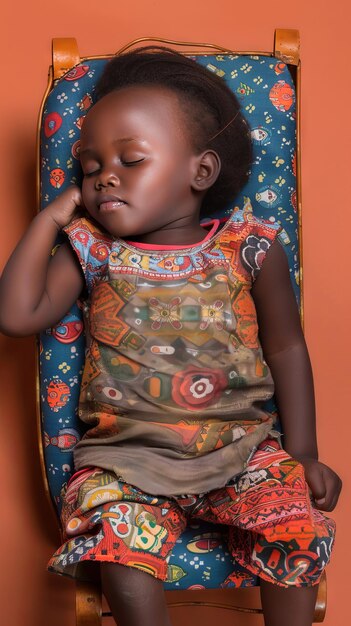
270	526
174	376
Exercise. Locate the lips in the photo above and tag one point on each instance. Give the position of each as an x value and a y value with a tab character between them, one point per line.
109	202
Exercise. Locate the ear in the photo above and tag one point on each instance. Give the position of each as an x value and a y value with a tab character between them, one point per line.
207	167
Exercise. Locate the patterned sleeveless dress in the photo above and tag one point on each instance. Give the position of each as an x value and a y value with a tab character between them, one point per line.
174	377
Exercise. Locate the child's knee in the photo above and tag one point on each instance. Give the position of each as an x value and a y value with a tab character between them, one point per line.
130	584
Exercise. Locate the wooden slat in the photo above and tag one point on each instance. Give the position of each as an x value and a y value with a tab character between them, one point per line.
65	55
287	45
321	602
88	604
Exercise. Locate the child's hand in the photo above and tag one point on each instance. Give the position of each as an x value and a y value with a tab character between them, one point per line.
324	483
37	289
65	207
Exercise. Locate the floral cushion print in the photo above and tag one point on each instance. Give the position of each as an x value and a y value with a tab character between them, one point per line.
265	90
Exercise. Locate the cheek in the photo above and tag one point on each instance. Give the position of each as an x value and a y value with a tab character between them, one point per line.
87	192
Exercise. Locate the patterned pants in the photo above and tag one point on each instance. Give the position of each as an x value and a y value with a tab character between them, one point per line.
274	531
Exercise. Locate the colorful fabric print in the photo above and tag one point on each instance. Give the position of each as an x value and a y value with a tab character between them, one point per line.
158	373
273	530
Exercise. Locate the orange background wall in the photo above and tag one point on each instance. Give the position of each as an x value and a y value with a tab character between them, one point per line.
33	597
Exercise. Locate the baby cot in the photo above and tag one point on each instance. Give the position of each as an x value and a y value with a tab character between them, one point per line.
268	87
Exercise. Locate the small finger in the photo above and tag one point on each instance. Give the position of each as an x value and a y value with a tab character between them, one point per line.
317	484
333	488
320	501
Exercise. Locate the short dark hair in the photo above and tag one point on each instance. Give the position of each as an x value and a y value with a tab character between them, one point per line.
208	104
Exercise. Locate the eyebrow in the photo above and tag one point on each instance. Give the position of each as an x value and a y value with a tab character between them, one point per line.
122	140
125	139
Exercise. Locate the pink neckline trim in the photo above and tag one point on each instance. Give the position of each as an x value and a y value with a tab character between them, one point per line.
155	246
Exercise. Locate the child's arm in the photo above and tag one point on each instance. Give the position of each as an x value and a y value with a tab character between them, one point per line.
285	351
36	290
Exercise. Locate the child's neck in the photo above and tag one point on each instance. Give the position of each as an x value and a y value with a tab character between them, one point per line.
176	236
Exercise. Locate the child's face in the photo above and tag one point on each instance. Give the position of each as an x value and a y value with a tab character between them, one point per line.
138	163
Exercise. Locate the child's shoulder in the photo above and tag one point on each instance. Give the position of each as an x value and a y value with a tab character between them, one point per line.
92	246
245	219
92	230
246	240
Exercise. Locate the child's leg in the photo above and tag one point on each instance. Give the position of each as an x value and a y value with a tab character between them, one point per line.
135	597
292	607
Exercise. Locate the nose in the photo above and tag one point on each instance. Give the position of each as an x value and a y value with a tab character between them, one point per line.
106	179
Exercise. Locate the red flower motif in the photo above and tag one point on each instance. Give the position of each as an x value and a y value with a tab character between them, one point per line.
57	177
99	251
77	72
196	389
81	236
52	124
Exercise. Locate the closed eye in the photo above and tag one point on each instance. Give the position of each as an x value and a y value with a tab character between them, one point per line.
129	163
123	162
87	174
